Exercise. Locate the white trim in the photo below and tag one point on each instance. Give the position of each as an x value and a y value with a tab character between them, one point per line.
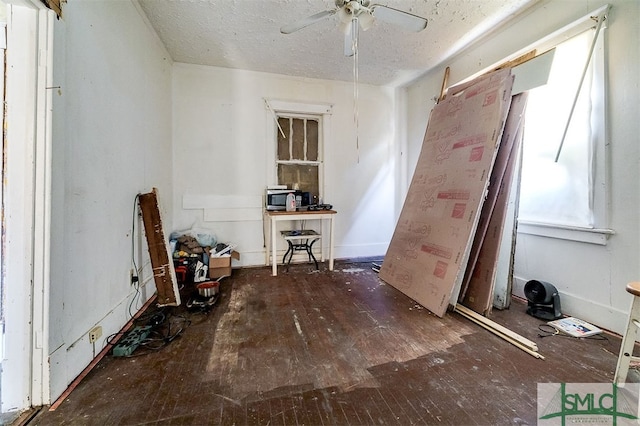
565	232
298	107
18	213
42	212
311	163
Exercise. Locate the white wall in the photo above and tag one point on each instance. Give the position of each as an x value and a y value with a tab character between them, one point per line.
223	142
591	278
111	140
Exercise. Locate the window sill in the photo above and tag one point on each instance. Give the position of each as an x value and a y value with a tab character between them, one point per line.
564	232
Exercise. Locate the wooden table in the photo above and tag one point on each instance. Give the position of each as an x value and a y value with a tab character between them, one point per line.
276	216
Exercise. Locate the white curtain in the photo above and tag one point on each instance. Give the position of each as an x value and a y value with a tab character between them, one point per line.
561	192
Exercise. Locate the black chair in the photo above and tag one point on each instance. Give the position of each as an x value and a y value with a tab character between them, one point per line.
300	240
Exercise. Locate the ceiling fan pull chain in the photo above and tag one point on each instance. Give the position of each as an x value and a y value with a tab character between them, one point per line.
354	38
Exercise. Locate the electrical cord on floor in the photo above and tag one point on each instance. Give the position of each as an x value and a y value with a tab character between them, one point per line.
109	339
546	330
165	328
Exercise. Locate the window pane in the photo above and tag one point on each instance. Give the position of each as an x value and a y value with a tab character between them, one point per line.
297	151
283	141
312	140
305	175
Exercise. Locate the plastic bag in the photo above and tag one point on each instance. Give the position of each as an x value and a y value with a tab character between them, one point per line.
205	237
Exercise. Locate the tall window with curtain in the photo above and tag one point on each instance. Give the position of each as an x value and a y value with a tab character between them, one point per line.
569	191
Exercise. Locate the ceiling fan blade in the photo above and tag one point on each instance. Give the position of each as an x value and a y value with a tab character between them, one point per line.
288	29
398	17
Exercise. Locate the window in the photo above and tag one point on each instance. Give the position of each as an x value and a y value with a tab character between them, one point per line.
297	131
570	191
298	153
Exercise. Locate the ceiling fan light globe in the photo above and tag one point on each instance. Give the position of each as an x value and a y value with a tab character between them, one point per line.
344	15
366	20
345	27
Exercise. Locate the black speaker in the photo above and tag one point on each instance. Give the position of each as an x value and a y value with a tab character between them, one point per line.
544	300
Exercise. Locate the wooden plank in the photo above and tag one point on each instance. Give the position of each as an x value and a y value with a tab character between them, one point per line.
517	61
505	337
445	81
55	5
495	327
164	274
431	243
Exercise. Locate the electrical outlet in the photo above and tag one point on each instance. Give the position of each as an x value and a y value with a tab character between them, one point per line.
133	277
95	333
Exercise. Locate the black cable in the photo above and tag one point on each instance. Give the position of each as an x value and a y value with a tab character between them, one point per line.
136	283
110	337
550	331
136	286
547	330
133	232
159	337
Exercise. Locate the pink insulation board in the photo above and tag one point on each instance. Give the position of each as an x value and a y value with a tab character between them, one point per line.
428	252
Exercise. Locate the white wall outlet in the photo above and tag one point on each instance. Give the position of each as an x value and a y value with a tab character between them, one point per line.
95	333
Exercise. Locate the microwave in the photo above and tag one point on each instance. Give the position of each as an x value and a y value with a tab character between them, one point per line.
276	199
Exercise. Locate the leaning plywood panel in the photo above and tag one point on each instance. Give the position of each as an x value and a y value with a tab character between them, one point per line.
504	160
503	282
164	273
482	281
431	243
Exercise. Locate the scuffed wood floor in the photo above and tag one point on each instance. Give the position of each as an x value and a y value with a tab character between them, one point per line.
330	348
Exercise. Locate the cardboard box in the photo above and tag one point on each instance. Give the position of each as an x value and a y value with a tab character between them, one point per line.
220	266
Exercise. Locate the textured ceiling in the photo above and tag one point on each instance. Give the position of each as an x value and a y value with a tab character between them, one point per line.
245	34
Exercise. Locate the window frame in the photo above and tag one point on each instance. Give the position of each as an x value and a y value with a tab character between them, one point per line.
316	111
599	232
317	163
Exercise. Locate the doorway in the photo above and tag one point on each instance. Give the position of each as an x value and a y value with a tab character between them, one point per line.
24	380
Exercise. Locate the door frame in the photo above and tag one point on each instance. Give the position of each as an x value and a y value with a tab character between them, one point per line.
27	206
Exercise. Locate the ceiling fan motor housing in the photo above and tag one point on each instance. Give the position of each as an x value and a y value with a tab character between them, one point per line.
365	3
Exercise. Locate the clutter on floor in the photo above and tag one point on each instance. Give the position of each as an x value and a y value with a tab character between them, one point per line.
201	262
189	268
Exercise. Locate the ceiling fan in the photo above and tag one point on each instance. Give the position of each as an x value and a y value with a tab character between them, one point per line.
359	13
354	14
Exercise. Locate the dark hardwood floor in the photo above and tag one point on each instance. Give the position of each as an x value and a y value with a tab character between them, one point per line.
328	348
